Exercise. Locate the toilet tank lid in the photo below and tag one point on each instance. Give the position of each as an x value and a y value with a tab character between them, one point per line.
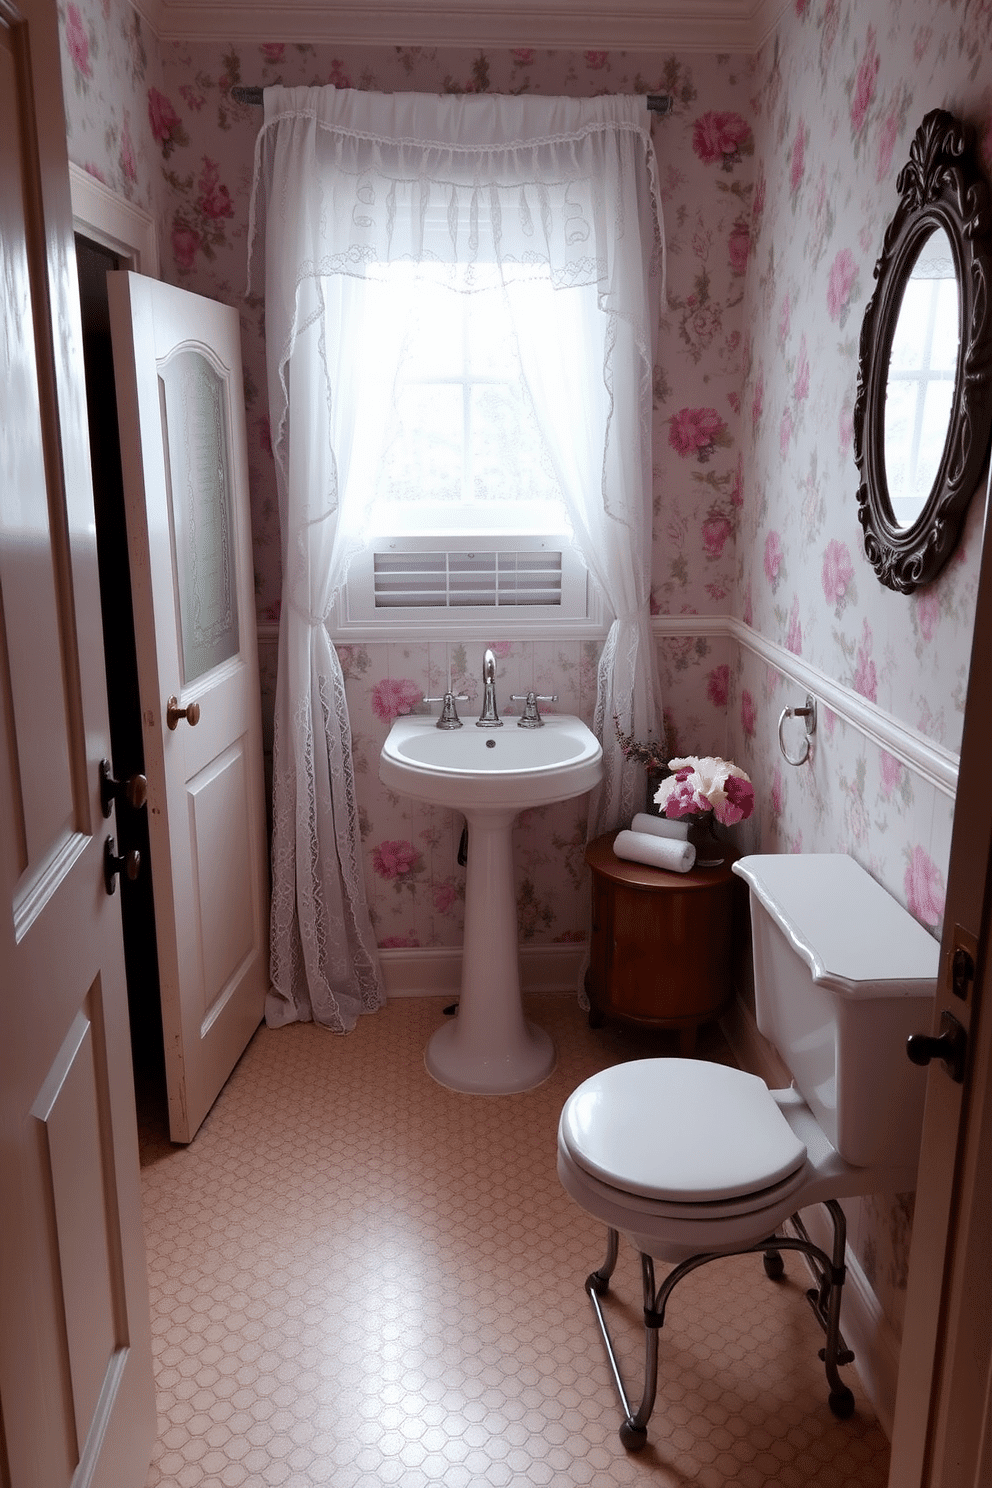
853	935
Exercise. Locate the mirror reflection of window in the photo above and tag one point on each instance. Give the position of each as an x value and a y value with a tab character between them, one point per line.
922	369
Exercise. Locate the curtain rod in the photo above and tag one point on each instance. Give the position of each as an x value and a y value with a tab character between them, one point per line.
658	103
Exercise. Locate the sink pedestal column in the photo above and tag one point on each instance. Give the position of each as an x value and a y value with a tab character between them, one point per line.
489	1048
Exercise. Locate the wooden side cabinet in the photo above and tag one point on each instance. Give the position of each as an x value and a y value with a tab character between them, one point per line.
661	949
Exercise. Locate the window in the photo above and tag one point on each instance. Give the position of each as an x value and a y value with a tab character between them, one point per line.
465	441
466	519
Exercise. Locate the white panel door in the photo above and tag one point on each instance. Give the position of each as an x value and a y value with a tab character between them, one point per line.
77	1399
180	400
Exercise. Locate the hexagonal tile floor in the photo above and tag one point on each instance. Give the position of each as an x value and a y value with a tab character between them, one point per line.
359	1278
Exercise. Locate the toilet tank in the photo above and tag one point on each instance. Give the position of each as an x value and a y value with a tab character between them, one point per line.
842	976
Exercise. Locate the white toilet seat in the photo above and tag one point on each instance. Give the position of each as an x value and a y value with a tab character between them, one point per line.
644	1209
672	1229
682	1137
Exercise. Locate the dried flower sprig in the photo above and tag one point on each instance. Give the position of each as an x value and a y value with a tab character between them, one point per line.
653	755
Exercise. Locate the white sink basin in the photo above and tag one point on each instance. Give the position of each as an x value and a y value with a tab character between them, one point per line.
510	767
490	775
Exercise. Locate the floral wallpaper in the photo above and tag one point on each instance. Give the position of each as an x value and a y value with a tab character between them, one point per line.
838	94
778	175
111	68
201	180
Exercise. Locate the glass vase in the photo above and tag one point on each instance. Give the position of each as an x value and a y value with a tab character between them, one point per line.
710	851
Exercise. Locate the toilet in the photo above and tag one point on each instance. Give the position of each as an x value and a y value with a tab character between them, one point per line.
689	1160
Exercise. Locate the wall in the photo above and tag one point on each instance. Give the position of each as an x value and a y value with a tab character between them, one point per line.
111	69
177	108
777	175
838	94
416	887
753	427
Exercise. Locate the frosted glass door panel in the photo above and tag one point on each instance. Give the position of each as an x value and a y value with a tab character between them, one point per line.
195	421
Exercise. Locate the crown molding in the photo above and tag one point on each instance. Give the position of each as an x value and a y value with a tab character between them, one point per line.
764	19
661	25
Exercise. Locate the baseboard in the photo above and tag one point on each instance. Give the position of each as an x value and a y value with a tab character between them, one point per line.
865	1327
418	971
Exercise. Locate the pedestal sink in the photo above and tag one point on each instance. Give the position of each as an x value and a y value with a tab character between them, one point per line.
490	775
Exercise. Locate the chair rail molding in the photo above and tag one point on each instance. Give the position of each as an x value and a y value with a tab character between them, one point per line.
930	761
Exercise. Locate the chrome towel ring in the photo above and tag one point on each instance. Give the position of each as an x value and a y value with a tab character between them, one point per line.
808	714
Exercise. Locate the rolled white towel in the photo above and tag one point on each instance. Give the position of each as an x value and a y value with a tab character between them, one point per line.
660	826
658	852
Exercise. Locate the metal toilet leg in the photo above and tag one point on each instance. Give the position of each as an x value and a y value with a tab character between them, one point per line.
633	1432
824	1298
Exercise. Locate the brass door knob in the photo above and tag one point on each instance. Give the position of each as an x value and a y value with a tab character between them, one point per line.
134	790
129	863
173	713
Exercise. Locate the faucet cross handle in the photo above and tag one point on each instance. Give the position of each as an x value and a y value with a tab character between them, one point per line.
531	717
449	713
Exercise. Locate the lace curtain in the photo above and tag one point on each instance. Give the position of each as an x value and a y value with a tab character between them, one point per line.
483	194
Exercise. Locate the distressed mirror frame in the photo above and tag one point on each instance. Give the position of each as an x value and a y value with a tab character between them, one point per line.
940	186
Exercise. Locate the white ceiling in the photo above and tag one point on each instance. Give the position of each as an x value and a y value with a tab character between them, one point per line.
635	25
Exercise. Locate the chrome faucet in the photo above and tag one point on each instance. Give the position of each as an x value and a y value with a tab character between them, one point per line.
531	716
449	713
489	718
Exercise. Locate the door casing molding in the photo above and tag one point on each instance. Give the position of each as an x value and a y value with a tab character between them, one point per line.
106	218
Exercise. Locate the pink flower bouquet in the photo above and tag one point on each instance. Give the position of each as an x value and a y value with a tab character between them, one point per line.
697	786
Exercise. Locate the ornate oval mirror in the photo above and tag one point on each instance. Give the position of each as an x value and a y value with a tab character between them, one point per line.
924	412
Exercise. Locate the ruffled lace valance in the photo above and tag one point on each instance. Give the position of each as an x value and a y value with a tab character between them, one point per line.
498	183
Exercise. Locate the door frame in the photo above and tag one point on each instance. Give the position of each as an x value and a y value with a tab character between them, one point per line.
106	218
943	1427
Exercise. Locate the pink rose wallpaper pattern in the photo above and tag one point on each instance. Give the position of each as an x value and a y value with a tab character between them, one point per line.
777	174
111	68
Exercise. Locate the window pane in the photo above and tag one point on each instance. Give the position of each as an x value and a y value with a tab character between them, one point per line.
491	350
945	335
435	347
463	433
425	459
506	447
193	398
